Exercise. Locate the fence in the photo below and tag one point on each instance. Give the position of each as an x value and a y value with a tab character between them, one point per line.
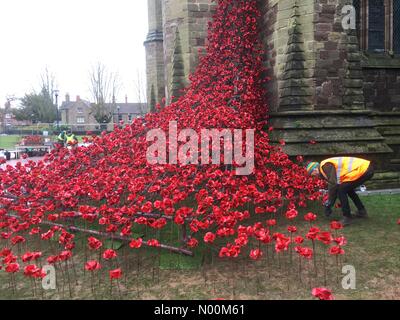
52	129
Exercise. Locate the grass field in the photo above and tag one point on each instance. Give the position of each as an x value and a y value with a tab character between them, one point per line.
373	250
8	142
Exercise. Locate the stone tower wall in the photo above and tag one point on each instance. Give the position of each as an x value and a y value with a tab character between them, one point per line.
155	70
325	95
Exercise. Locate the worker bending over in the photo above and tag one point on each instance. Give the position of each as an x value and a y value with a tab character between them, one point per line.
344	175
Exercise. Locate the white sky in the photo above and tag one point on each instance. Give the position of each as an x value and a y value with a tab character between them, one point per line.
69	37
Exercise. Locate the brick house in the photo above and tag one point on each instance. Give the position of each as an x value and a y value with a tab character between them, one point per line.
77	114
338	87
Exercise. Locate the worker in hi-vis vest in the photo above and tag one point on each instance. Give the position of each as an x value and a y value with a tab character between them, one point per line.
61	138
344	175
70	138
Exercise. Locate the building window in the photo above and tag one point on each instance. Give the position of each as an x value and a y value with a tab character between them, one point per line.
79	110
378	25
119	117
129	117
80	120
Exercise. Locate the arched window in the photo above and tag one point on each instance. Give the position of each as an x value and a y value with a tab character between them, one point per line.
378	25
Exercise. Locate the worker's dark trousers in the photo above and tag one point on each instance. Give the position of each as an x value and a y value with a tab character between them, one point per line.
348	189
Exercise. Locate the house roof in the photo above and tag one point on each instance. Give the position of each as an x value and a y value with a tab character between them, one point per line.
130	108
67	105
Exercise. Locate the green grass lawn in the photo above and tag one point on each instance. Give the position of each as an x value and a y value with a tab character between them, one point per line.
8	142
373	250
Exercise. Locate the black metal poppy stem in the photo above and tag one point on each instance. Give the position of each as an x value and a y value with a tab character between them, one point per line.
213	279
63	280
138	258
279	260
99	272
178	240
315	257
10	285
325	273
14	284
68	278
233	278
41	287
99	278
244	270
153	269
300	269
157	261
39	241
33	288
272	249
74	270
92	282
57	280
137	272
99	255
268	261
85	252
126	263
288	272
290	248
203	266
41	292
119	289
338	269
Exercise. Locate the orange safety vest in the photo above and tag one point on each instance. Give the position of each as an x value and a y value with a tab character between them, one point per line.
347	168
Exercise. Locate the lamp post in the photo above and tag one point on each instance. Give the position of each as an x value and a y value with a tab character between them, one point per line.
58	123
118	109
33	120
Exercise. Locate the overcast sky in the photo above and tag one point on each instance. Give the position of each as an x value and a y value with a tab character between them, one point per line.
69	37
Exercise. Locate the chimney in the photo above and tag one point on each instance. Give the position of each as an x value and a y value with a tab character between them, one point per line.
126	98
67	98
78	98
113	99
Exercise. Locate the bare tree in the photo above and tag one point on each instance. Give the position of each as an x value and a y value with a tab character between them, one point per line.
140	90
104	87
47	83
9	99
139	87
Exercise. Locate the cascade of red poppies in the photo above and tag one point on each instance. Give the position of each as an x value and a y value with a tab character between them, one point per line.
110	183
